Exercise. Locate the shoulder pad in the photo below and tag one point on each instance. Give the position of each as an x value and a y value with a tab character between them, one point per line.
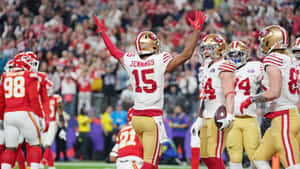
272	59
227	66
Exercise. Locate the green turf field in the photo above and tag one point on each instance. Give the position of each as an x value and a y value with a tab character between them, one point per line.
102	165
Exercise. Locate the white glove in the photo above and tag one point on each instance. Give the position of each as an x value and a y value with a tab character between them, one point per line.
42	124
197	125
62	135
226	122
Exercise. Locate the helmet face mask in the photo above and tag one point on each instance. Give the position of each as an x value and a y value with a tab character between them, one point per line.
237	52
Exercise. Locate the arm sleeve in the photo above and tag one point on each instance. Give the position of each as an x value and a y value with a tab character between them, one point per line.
227	66
114	51
34	98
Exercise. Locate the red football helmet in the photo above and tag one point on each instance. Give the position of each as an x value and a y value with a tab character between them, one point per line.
130	114
34	61
22	62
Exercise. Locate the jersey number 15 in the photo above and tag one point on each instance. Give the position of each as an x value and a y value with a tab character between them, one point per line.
142	75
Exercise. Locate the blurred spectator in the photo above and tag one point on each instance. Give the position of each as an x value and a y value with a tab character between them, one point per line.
173	97
179	123
119	116
84	122
109	83
188	87
85	91
127	96
68	91
169	153
61	137
107	125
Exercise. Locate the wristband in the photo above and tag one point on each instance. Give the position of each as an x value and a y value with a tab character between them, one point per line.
228	93
252	99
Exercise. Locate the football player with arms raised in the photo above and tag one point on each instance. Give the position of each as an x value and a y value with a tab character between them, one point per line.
21	109
282	94
128	151
217	90
245	131
146	69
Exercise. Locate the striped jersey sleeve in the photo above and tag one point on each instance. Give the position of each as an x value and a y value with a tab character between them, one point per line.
274	60
227	66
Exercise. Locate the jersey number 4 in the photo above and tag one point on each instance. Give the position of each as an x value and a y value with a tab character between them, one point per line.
142	75
14	87
243	85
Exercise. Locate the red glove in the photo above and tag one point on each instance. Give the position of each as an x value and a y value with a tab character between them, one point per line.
245	104
46	127
101	26
199	20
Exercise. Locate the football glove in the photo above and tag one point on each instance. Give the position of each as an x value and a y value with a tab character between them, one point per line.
101	26
245	104
199	20
226	121
197	126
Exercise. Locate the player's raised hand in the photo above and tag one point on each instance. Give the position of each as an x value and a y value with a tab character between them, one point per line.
199	20
101	26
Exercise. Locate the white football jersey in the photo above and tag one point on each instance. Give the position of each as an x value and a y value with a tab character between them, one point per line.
289	89
147	79
248	79
211	84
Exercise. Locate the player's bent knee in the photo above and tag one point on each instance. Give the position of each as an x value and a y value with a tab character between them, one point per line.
236	157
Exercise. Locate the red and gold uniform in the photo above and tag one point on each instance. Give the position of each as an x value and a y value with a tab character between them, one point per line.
280	137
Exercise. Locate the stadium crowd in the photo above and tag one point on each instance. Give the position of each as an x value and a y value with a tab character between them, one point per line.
65	38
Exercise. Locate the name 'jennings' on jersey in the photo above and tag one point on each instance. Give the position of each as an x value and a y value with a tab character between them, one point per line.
147	79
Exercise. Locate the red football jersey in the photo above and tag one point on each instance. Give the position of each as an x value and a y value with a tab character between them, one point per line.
129	143
42	89
54	101
18	92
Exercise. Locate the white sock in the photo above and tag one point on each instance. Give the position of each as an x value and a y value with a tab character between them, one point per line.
42	166
5	166
297	166
252	166
235	165
261	164
34	165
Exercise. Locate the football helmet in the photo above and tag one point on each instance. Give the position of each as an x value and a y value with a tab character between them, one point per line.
212	45
22	62
237	52
272	37
147	43
34	61
129	115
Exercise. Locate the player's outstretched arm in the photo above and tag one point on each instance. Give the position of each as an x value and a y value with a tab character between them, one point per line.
114	51
192	43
